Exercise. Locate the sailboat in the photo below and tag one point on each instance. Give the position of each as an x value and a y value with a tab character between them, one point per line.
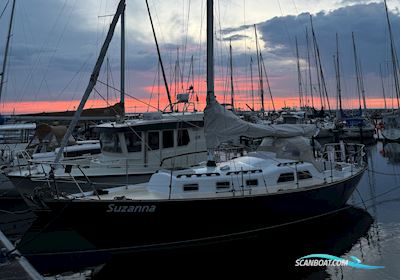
391	120
358	127
131	149
280	183
13	137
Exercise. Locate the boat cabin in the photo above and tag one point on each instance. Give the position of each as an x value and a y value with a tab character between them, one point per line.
156	139
16	133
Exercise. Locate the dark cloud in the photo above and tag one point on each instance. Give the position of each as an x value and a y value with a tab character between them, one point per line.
235	37
367	21
235	29
52	55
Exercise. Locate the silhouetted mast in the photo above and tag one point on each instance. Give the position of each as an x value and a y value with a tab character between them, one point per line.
259	71
7	47
338	83
231	67
394	57
251	79
92	81
383	86
160	60
309	68
299	76
321	78
267	80
122	98
360	83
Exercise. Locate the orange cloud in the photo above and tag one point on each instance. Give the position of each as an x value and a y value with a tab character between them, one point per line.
158	99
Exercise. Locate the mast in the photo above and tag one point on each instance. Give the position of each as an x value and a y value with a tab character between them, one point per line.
360	84
309	67
210	68
321	72
160	60
394	57
231	66
362	87
92	81
339	87
210	50
299	76
122	98
316	63
383	86
158	86
251	80
107	74
7	47
176	74
268	84
259	71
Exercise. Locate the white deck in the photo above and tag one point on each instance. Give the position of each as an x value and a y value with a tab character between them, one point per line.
202	182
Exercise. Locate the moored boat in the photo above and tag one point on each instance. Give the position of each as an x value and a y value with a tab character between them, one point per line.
281	183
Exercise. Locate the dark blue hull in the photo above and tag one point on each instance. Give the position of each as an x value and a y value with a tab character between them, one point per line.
73	228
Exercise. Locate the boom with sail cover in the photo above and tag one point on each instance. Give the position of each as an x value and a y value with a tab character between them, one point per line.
221	125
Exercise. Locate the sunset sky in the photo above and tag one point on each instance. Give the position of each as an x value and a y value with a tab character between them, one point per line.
55	44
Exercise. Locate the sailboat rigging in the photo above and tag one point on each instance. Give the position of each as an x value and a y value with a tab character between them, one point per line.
6	49
255	189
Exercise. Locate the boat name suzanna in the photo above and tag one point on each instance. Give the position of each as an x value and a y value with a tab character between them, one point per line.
131	208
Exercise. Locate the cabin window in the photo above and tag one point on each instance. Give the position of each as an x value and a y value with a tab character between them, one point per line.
183	137
153	140
252	182
82	153
110	142
286	177
302	175
168	139
223	185
190	187
133	142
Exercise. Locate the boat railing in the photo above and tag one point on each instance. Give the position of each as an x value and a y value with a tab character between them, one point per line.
163	160
344	153
6	154
228	152
50	178
11	158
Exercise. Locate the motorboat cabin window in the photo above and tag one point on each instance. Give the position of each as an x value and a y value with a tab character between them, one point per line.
168	139
223	185
110	142
302	175
252	183
133	142
183	137
153	140
80	153
286	177
190	187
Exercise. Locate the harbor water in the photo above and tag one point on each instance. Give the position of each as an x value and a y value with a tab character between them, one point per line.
367	229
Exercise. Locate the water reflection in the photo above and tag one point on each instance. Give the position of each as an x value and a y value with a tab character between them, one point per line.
352	232
15	217
391	151
273	252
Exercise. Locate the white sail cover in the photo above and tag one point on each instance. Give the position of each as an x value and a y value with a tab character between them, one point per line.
221	125
296	148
